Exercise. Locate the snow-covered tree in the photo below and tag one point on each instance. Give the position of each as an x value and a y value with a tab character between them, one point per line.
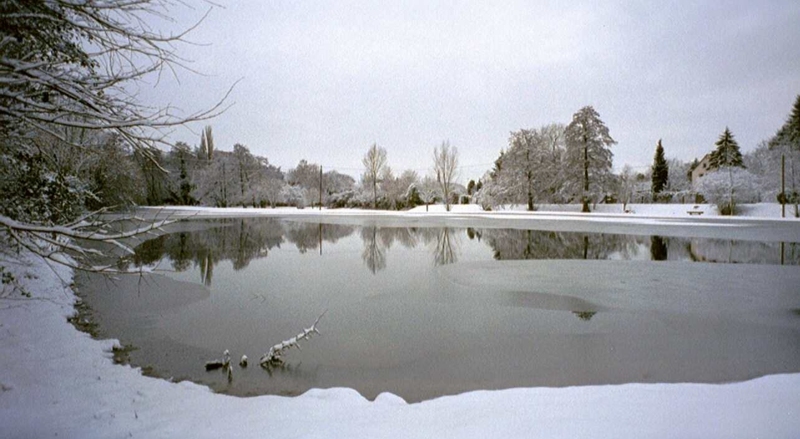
588	155
267	191
523	162
69	63
428	190
306	176
181	180
529	170
293	195
679	176
76	65
216	183
786	143
337	186
725	158
445	163
660	171
499	188
552	175
375	163
789	133
728	187
727	153
627	185
396	189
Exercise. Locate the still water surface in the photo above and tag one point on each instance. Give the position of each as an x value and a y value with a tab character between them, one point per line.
425	312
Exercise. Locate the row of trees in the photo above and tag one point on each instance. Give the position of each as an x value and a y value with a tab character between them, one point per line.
768	173
553	164
209	176
409	190
566	164
73	138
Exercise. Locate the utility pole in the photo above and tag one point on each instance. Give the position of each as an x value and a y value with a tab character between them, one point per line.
783	188
320	191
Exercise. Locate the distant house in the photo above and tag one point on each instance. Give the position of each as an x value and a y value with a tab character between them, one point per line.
703	168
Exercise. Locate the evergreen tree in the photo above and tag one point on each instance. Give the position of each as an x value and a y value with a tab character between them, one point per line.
727	153
209	142
793	123
787	143
660	171
588	154
789	134
202	150
471	187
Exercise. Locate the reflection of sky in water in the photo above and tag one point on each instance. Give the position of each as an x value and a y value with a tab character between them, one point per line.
423	312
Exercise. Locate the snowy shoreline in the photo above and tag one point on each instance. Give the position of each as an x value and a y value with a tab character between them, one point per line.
56	380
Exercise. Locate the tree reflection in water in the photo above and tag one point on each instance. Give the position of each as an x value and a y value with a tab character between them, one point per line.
585	315
374	254
378	241
242	240
508	244
236	240
309	236
447	247
658	248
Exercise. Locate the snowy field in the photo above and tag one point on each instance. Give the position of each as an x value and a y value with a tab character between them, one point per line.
56	381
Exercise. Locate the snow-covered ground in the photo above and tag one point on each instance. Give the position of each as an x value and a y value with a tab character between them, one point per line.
56	381
757	210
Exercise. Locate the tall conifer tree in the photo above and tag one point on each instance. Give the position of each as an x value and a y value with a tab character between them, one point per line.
727	153
660	171
789	134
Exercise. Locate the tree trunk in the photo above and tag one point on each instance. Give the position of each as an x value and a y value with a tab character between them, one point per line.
585	247
730	181
224	187
585	177
530	191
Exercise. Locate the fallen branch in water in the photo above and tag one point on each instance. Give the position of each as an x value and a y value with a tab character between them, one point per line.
225	364
217	364
273	356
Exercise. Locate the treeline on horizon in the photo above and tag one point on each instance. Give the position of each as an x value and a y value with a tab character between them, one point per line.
553	164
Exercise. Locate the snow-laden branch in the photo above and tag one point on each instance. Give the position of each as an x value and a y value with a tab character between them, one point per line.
53	242
273	356
68	63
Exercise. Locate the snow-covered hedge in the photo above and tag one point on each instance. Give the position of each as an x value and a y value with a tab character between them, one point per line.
727	187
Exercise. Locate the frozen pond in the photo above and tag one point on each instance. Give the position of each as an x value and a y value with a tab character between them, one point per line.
427	311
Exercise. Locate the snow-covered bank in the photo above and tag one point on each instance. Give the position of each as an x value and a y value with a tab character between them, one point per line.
757	210
57	381
668	220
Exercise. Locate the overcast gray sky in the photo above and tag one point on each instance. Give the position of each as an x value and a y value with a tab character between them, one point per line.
322	81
